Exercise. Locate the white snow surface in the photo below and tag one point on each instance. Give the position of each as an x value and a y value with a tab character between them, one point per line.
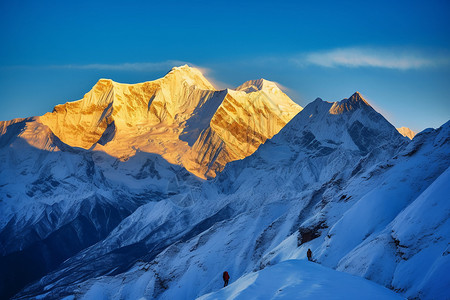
299	279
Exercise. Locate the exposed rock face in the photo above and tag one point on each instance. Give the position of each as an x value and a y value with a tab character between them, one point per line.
180	116
405	131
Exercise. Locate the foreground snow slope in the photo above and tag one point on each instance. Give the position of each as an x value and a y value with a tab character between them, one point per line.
297	279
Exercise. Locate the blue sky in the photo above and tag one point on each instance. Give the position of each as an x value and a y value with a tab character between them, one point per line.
396	53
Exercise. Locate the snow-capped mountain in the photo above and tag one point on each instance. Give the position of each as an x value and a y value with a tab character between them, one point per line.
338	179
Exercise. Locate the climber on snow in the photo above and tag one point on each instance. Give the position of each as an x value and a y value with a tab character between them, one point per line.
309	254
226	277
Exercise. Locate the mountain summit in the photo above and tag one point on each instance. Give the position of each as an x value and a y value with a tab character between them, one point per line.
256	85
181	117
349	104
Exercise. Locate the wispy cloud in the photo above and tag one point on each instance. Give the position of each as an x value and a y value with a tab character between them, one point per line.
138	67
355	57
135	67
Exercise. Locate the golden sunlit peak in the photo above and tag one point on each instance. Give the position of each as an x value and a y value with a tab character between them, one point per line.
356	98
191	75
186	69
349	104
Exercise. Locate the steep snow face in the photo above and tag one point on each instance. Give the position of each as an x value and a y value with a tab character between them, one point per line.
243	121
180	116
405	131
411	252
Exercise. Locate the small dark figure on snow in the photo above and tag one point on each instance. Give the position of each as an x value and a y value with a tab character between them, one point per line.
226	277
309	254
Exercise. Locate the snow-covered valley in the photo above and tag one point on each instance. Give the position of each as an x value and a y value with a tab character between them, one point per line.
127	216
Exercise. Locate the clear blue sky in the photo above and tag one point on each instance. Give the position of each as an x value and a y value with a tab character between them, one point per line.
396	53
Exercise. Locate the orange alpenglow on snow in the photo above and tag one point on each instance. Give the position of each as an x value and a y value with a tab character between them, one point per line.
405	131
181	116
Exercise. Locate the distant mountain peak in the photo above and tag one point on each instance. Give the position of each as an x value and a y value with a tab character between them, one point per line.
356	98
356	101
257	85
185	69
405	131
191	75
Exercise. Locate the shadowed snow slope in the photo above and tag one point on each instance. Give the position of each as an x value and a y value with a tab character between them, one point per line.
296	279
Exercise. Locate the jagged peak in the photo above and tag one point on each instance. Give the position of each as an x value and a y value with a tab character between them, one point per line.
257	85
356	101
355	98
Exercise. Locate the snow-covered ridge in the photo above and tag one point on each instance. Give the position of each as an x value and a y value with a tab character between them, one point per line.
299	279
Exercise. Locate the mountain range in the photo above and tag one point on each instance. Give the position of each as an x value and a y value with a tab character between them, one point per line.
154	189
180	117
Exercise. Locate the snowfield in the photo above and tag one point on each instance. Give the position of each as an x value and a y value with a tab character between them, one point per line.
300	279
